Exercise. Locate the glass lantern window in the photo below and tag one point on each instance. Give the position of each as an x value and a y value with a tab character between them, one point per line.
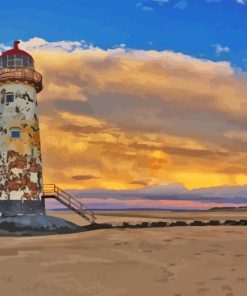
16	61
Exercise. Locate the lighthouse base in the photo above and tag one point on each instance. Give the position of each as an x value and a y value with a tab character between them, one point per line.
10	208
35	225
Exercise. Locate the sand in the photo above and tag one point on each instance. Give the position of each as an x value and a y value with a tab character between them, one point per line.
178	261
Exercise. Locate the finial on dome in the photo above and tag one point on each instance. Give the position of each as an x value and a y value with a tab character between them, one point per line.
16	44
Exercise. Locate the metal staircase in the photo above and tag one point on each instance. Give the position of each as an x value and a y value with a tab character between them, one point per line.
52	191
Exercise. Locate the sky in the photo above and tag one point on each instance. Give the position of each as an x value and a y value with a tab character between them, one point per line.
144	102
211	29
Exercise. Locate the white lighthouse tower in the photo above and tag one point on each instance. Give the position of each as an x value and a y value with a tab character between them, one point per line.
20	153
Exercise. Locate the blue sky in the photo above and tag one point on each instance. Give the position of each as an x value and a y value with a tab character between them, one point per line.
211	29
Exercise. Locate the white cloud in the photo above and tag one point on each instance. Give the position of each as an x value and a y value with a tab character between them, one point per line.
42	44
4	47
219	49
148	8
144	7
121	45
216	1
242	2
181	4
161	2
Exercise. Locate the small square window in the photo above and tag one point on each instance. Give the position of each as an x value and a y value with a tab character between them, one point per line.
10	98
15	133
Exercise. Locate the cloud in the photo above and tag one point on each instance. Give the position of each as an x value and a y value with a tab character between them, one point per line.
147	8
219	49
215	1
137	118
181	4
83	177
140	182
161	2
142	6
65	46
234	170
165	196
242	2
151	4
78	129
220	194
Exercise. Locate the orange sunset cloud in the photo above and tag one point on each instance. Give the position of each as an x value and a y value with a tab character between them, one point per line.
127	119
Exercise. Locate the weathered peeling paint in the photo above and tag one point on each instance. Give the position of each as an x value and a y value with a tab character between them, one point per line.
20	168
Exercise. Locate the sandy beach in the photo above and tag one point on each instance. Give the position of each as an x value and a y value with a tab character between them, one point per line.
177	261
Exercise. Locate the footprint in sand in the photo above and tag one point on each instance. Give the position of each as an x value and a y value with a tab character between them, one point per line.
241	279
227	288
172	264
239	255
202	291
217	279
201	283
167	240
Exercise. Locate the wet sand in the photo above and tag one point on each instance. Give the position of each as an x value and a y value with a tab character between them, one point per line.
177	261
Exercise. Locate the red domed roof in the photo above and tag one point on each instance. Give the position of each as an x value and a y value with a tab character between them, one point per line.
16	50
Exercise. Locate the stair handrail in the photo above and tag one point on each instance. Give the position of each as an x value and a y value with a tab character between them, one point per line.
50	189
54	188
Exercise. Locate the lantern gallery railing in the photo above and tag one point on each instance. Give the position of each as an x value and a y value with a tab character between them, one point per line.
24	75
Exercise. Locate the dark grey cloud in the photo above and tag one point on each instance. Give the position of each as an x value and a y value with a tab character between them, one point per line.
140	182
83	177
74	106
221	194
234	170
86	129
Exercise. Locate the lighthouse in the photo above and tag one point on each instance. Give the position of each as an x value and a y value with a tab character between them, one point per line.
20	152
22	193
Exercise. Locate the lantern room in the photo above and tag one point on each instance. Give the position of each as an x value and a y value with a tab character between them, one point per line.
16	58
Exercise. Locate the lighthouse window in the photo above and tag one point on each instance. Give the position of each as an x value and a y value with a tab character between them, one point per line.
11	63
4	62
16	61
10	97
10	60
15	133
33	151
25	62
